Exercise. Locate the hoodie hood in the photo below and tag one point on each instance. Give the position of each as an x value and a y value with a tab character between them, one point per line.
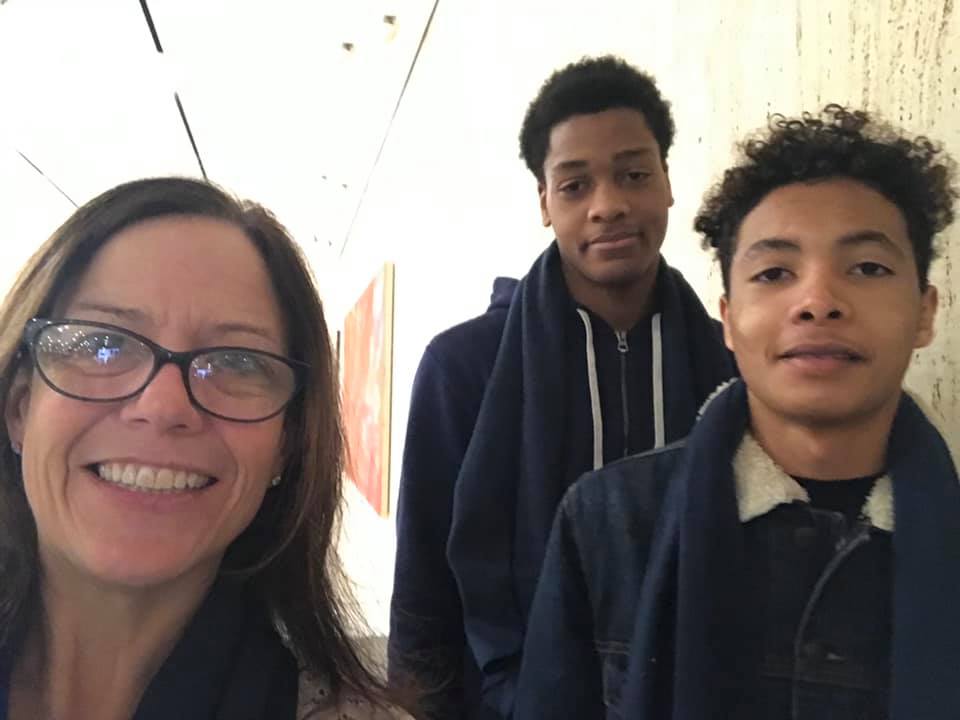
502	294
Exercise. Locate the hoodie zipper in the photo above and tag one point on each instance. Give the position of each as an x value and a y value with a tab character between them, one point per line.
624	348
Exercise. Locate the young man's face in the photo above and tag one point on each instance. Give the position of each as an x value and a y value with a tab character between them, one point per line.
606	194
824	308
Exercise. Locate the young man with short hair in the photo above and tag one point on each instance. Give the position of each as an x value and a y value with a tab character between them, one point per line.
798	556
601	351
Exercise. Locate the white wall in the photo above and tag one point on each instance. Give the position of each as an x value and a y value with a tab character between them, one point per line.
453	207
32	210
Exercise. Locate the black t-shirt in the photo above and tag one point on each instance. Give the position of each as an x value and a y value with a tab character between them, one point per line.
843	496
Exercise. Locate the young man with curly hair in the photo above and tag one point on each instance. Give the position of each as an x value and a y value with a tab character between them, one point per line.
600	351
798	556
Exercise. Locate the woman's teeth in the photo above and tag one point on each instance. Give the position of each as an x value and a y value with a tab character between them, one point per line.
154	479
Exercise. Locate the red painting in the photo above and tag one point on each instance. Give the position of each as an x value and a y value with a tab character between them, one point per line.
367	393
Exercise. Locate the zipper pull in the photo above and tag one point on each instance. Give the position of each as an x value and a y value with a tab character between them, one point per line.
622	345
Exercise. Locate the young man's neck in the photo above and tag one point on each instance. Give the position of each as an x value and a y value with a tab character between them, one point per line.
824	450
621	306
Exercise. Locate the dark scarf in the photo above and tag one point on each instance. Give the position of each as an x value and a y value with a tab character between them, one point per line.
695	648
512	475
228	665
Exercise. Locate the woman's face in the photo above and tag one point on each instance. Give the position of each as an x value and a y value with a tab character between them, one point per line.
184	282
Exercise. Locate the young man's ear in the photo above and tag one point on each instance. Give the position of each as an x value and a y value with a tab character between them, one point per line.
724	312
17	407
544	213
666	175
929	301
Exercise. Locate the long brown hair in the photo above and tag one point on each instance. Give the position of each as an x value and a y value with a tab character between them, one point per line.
287	552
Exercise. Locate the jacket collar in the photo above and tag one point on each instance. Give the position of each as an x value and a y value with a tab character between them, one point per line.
762	485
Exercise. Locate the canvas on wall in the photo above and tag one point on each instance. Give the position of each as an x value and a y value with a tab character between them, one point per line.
367	357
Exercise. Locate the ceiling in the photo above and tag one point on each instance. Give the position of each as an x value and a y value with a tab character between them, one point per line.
279	109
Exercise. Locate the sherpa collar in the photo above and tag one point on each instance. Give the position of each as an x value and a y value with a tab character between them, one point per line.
762	485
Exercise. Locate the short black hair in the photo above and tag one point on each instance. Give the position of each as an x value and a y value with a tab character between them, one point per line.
592	85
911	172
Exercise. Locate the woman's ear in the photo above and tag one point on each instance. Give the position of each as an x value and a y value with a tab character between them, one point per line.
283	454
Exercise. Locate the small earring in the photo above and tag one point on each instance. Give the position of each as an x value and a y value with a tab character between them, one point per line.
16	447
275	481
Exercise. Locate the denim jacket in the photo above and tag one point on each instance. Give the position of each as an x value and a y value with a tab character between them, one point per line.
821	588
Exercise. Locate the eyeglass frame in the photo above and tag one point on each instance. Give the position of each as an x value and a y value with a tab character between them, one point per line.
161	357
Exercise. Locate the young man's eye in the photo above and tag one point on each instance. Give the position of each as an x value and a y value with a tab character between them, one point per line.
871	269
637	175
770	275
572	188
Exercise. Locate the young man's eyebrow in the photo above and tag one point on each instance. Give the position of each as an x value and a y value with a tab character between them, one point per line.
566	165
870	237
628	154
633	153
769	245
853	239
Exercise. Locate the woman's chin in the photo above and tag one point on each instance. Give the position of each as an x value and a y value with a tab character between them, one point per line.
140	565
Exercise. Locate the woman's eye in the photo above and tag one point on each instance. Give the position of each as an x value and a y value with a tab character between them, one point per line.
104	347
107	340
249	364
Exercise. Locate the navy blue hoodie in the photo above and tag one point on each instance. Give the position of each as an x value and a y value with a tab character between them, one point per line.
615	418
426	621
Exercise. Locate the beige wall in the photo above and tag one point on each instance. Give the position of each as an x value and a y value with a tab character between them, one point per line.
452	205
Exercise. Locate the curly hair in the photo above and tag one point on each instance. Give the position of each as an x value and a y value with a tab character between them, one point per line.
911	172
589	86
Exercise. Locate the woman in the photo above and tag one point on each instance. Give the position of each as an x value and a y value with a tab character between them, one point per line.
170	474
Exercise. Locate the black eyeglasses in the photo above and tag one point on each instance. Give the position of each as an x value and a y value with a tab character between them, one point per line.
98	362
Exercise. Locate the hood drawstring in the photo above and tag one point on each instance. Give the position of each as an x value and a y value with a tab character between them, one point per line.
659	432
594	391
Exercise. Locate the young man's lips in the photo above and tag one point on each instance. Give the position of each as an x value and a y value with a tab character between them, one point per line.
614	237
832	351
822	360
617	238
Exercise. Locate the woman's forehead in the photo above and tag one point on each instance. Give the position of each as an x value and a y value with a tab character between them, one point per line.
181	269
